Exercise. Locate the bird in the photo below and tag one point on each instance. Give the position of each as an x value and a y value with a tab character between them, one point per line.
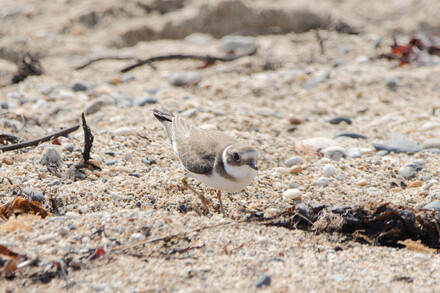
216	159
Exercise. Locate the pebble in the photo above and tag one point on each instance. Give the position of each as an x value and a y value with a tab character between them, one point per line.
101	287
83	209
46	238
435	205
295	120
189	113
123	131
282	170
72	215
63	231
50	156
319	142
418	164
199	39
292	194
55	182
263	281
328	170
185	78
431	143
392	84
338	62
138	237
362	59
322	181
69	147
81	86
398	146
407	171
149	161
296	169
34	195
320	77
415	184
351	135
353	153
295	160
144	101
94	107
339	119
362	182
335	153
7	161
238	45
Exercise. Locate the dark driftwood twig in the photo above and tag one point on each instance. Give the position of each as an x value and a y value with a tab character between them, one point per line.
38	140
207	59
88	139
103	58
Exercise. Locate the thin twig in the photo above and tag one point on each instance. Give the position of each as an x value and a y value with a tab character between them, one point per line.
38	140
88	139
103	58
207	59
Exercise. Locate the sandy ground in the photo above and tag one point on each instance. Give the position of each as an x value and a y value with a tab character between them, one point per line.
132	200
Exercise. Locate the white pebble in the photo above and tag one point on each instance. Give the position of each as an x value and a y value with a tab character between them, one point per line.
123	131
138	237
282	170
328	170
322	181
295	160
50	156
407	171
83	209
73	215
292	194
46	238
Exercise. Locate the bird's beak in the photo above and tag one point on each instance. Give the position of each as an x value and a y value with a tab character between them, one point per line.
253	165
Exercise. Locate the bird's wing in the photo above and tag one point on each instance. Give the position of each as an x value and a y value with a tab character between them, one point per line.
198	148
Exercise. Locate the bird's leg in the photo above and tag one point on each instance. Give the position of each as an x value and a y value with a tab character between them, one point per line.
219	196
203	199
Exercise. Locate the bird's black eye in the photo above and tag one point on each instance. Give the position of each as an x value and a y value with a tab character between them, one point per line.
236	156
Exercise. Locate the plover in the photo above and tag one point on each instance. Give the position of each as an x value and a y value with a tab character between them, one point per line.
214	158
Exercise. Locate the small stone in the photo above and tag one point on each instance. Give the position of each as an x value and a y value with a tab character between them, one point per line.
34	195
350	135
415	184
328	170
407	171
362	59
238	45
50	156
263	281
111	162
353	153
322	181
295	160
46	238
431	143
435	205
55	182
398	146
418	164
73	215
86	240
123	131
149	161
144	101
296	169
138	237
63	231
101	287
7	161
292	194
189	113
69	147
199	39
320	77
362	182
392	84
337	120
83	209
81	86
282	170
295	120
185	78
94	107
335	153
319	143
